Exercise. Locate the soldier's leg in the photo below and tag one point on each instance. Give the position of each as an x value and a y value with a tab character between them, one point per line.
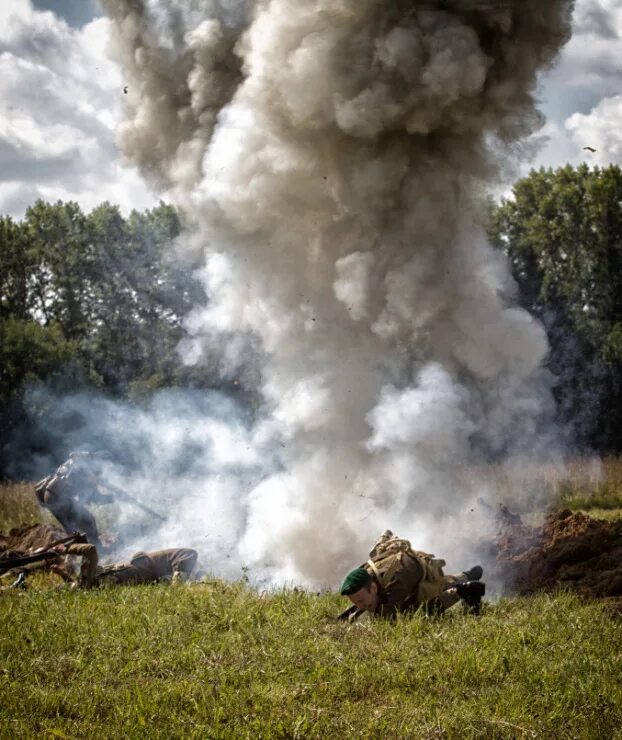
447	599
471	593
449	596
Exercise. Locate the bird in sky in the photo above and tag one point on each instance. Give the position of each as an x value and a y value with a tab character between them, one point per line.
589	148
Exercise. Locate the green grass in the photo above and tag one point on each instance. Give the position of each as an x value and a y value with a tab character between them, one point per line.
218	660
221	661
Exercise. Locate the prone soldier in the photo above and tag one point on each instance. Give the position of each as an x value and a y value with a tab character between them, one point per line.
397	579
175	564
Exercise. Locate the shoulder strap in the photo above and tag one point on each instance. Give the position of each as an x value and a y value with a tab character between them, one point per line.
375	570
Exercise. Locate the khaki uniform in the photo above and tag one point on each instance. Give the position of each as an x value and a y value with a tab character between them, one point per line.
143	567
409	579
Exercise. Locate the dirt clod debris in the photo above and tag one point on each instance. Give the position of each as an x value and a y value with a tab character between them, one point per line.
569	549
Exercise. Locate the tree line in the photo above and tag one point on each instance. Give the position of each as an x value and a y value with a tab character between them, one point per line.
89	301
96	301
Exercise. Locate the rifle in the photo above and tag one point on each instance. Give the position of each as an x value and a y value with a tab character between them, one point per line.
351	612
123	496
7	564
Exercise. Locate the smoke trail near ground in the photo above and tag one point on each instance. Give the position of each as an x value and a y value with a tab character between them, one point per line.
333	157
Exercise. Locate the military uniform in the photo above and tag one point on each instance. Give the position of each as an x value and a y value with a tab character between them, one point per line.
408	579
63	493
143	567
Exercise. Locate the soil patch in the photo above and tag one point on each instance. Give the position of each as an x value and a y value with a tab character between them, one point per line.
569	549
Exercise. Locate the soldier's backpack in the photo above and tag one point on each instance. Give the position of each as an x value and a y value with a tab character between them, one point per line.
387	556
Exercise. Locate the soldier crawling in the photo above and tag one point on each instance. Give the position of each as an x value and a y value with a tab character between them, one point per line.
397	579
175	565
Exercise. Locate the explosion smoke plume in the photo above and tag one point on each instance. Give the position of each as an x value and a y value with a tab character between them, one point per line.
333	157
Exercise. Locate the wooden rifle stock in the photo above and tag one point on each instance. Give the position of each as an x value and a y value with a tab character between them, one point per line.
7	564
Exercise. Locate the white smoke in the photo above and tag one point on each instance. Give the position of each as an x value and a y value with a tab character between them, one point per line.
333	156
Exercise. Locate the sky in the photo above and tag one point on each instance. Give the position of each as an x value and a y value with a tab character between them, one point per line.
61	100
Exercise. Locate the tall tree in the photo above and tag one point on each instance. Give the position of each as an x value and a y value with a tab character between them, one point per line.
94	299
562	230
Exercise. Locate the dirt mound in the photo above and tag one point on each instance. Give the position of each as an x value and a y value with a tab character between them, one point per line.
30	537
569	549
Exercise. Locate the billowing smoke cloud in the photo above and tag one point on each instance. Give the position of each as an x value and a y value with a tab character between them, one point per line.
333	156
181	70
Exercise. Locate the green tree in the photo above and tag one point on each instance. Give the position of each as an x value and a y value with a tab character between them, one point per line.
91	299
140	296
16	268
61	252
562	231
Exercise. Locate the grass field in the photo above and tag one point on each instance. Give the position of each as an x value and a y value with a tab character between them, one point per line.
220	661
216	660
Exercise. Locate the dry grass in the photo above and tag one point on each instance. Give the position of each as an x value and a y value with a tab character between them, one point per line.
19	505
587	484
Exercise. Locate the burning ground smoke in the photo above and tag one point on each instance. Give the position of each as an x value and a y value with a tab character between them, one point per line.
332	156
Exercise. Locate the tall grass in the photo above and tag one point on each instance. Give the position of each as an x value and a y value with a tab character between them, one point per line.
580	484
19	505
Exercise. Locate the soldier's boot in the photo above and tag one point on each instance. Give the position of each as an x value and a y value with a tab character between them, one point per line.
471	593
474	573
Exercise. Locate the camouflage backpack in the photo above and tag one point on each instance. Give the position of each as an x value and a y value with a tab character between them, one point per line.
387	556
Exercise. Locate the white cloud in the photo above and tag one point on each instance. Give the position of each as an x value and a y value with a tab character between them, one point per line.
579	93
600	129
61	104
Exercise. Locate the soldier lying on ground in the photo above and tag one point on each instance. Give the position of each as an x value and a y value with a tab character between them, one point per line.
175	564
64	493
397	579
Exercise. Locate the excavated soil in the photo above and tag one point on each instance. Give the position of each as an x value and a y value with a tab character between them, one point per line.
569	549
30	537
